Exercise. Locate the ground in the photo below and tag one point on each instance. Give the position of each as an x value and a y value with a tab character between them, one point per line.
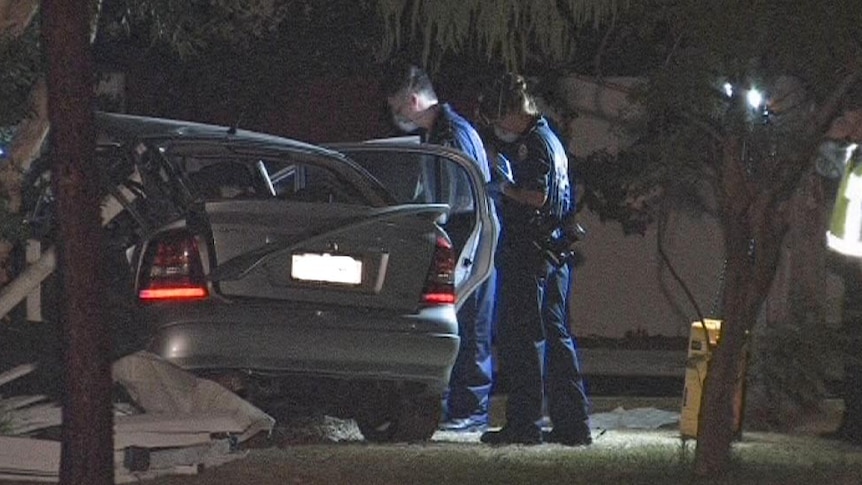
310	450
329	451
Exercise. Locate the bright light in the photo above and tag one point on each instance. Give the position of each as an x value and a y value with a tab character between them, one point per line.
843	246
179	293
849	153
728	89
755	99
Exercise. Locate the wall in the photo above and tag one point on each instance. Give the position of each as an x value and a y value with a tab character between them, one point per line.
624	286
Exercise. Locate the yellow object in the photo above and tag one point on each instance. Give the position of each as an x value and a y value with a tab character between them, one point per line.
845	223
699	355
696	362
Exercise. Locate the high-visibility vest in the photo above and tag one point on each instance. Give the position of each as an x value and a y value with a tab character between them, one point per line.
845	224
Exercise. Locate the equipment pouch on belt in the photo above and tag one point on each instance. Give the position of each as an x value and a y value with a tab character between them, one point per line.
555	238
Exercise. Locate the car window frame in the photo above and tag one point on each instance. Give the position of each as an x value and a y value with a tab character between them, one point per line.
351	172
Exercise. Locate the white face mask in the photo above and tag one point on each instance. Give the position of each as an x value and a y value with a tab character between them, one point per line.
504	135
404	124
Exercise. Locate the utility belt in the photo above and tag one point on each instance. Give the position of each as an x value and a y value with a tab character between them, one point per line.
555	238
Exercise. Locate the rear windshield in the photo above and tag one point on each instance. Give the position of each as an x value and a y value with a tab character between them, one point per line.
218	178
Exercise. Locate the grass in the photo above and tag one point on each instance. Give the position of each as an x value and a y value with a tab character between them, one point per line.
618	457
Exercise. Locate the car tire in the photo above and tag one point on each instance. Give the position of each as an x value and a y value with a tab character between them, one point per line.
408	419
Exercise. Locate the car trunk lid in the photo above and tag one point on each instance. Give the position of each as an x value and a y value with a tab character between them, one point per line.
332	254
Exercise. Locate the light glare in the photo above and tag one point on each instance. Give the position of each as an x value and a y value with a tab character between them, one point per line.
755	99
849	152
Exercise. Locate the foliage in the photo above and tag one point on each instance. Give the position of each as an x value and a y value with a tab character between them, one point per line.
738	42
508	30
613	188
792	364
20	65
781	47
187	28
190	27
6	135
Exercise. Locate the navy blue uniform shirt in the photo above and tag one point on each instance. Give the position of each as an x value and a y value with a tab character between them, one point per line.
539	162
452	130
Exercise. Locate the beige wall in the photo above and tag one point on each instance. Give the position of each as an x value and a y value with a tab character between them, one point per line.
624	285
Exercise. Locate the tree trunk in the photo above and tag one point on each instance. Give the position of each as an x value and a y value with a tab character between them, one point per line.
753	228
87	432
717	423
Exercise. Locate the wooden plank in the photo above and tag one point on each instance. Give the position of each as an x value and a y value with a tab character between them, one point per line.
221	422
29	478
32	253
17	402
28	456
191	455
178	461
155	439
156	430
16	372
33	418
18	289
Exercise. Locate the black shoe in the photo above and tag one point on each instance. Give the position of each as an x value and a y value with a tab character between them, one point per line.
512	436
580	438
463	425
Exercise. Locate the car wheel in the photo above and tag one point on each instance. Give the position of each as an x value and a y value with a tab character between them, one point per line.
410	419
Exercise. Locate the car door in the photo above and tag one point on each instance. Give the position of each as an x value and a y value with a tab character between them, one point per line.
431	174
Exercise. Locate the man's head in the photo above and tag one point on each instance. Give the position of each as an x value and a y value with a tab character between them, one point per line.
410	95
508	106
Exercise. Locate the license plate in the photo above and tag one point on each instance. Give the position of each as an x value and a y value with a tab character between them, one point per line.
327	268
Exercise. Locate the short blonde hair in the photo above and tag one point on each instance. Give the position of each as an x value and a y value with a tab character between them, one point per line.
508	95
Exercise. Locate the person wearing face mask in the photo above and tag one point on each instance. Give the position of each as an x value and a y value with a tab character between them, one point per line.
415	108
537	353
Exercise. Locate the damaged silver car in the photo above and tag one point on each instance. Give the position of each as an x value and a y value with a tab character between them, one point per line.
322	277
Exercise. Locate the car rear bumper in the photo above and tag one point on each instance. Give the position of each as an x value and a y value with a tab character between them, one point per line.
345	344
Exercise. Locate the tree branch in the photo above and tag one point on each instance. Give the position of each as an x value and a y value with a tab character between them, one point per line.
737	191
597	60
827	113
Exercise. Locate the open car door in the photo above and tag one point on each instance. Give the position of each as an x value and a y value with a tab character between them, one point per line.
431	174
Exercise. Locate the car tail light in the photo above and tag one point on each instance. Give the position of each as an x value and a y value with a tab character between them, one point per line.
440	282
172	269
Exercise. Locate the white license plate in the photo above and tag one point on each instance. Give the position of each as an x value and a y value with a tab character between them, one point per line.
326	268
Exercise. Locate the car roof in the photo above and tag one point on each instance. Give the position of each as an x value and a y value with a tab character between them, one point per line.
122	128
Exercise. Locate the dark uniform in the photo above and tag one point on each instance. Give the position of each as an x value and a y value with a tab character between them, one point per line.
537	352
471	380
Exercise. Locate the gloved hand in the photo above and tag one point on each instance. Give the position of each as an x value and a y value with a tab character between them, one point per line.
502	169
495	188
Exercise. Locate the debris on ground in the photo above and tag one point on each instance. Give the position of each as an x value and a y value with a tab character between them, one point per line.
169	422
637	418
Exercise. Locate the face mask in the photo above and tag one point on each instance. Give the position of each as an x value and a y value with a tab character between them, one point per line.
505	136
404	124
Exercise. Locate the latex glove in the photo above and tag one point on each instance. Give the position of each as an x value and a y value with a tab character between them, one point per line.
502	169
